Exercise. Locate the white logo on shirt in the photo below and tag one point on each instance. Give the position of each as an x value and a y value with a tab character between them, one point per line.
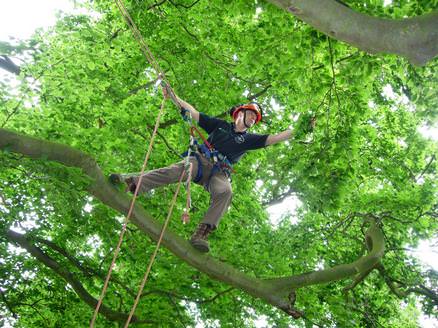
239	139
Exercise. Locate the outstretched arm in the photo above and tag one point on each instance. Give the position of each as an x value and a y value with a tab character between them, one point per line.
276	138
182	104
287	134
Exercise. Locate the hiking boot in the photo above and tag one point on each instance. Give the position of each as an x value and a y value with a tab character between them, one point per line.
116	179
199	237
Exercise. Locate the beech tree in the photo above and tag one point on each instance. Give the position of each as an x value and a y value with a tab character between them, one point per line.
415	38
365	176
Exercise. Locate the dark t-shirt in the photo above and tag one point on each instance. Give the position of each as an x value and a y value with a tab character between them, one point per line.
232	144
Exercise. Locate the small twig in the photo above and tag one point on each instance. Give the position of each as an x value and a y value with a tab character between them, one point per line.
258	94
87	270
141	87
279	198
337	62
12	113
172	150
198	301
175	305
426	168
333	72
157	4
212	299
184	6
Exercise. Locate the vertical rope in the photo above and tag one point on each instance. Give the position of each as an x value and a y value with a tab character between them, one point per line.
131	208
151	261
151	59
143	46
186	216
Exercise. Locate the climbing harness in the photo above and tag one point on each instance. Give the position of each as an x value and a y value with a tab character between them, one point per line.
220	162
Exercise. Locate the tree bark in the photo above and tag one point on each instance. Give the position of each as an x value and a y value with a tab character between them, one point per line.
7	64
413	38
273	291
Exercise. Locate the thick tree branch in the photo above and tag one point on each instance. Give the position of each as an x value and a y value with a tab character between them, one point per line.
9	306
68	277
278	199
425	169
276	292
414	38
396	285
7	64
374	239
360	277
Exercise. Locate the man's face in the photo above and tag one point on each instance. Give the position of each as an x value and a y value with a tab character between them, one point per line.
249	119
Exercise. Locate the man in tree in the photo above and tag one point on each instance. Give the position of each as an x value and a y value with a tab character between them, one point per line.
212	163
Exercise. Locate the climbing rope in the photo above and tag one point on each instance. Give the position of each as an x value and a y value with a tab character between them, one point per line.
135	31
144	47
128	216
151	261
185	217
161	77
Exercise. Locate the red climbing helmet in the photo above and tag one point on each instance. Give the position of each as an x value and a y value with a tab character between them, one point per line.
252	106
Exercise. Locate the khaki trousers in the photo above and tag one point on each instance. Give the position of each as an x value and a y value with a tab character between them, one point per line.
219	185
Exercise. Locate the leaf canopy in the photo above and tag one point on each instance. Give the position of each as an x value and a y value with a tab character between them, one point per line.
83	85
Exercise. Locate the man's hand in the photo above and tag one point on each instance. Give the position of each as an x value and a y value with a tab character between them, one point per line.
280	137
181	104
304	126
